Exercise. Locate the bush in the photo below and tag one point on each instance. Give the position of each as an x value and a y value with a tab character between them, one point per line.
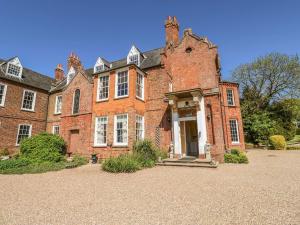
14	163
43	147
126	163
4	152
293	148
277	142
146	149
298	131
235	156
77	161
163	154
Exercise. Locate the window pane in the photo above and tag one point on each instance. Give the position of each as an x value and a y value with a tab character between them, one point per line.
58	104
2	88
121	129
122	84
24	132
139	86
56	129
103	87
13	70
76	101
234	131
101	130
28	100
134	59
230	100
139	127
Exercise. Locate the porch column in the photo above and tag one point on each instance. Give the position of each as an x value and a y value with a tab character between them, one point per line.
201	123
176	127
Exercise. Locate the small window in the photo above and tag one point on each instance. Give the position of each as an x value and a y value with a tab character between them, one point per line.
188	50
139	127
99	68
140	86
55	129
24	131
121	130
70	74
3	88
230	97
28	100
101	131
58	104
76	101
122	84
234	131
14	70
103	88
134	59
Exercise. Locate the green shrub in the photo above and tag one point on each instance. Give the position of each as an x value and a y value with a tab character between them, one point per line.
4	152
126	163
77	161
277	142
43	147
161	153
235	156
298	131
293	148
146	149
14	163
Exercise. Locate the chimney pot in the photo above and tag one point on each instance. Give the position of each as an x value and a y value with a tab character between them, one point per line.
187	31
172	31
59	72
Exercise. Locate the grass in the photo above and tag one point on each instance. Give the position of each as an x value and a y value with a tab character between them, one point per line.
21	166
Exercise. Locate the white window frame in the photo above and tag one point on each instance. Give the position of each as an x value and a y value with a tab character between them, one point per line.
95	132
116	83
237	130
143	127
115	131
15	62
74	102
143	86
232	94
53	129
33	101
29	135
134	51
56	100
71	74
4	94
98	88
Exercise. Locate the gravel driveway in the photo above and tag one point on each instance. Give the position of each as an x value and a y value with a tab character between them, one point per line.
266	191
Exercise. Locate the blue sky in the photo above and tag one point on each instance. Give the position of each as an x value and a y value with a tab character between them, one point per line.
43	32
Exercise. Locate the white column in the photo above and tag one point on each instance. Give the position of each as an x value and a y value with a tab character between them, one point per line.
201	125
176	133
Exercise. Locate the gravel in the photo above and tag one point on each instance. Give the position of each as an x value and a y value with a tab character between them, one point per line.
265	191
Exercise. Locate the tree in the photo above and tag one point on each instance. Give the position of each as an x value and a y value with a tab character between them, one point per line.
269	78
267	85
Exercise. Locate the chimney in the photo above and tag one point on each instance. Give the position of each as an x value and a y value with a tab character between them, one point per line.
172	31
59	72
74	61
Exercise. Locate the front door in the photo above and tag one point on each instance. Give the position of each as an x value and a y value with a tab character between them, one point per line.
191	138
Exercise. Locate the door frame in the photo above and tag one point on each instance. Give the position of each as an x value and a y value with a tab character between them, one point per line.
184	119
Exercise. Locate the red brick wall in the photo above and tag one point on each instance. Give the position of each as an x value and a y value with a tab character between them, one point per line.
232	112
129	105
11	114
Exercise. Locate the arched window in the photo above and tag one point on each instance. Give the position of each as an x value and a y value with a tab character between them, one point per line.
76	101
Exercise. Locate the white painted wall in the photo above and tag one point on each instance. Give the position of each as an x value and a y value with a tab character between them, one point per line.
201	125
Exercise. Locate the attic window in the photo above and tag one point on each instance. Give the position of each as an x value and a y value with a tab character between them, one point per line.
188	50
14	68
134	59
99	68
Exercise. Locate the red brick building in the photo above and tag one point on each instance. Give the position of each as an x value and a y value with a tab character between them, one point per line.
172	95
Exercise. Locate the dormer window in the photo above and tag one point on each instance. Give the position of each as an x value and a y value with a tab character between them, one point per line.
70	75
100	65
134	56
14	68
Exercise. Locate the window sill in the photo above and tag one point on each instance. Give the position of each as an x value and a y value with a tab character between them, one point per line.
232	106
121	97
100	146
102	100
138	98
28	110
120	146
57	114
235	143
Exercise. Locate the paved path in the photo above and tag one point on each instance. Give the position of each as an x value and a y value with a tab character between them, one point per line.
266	191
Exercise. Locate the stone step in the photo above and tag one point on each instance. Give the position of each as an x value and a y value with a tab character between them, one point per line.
187	161
207	165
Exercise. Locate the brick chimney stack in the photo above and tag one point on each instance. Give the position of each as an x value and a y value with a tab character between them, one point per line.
74	61
172	31
59	72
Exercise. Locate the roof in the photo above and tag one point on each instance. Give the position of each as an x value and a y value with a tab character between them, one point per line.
152	58
229	82
29	77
